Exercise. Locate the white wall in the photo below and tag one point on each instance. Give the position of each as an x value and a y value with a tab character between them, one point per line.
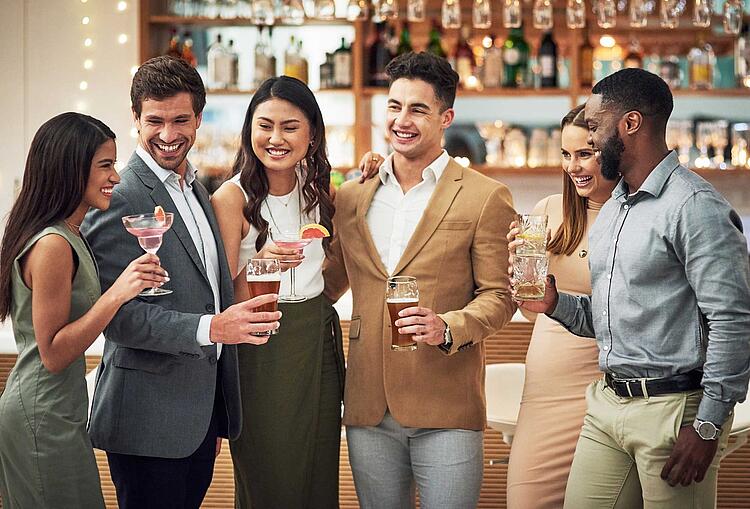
42	58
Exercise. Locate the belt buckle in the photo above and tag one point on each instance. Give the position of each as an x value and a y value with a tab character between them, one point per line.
639	381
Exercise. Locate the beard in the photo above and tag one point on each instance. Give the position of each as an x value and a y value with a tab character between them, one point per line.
611	156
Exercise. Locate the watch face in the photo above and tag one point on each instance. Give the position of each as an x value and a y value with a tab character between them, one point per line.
707	430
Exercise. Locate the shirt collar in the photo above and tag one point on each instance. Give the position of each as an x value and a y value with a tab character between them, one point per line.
162	174
435	168
655	182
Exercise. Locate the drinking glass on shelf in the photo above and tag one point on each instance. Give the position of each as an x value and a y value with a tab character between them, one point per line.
357	9
210	8
289	239
719	140
415	10
401	292
512	15
292	12
387	9
733	12
481	14
638	13
702	10
670	13
542	14
538	148
740	145
263	12
149	230
325	9
606	13
451	14
244	9
264	278
702	141
575	14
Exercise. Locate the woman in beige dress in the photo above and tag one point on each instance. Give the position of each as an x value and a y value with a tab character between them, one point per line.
559	365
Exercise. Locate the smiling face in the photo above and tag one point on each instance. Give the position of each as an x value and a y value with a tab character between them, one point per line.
415	121
102	177
281	135
580	163
167	130
604	136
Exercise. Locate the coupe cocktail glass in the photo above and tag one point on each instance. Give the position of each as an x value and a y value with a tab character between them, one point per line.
290	239
149	229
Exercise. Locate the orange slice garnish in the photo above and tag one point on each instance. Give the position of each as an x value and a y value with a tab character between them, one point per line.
160	215
313	231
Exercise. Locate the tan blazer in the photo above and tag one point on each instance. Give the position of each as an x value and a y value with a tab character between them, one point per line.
459	255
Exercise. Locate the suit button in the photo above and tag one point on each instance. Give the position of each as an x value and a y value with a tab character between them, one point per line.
210	308
212	359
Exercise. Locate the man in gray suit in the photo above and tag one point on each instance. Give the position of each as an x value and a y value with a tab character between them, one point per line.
167	388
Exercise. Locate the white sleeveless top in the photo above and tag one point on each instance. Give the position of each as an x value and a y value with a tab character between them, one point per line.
286	216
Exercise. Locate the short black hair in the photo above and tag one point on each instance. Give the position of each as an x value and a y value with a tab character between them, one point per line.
429	68
637	90
163	77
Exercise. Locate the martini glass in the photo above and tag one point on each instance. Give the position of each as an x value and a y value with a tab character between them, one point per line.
149	229
290	239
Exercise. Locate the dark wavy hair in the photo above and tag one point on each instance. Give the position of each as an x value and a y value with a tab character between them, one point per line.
432	69
162	77
54	181
317	174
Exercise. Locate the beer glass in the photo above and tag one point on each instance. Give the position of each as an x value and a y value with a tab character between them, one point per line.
450	14
733	11
481	14
702	10
670	13
575	14
534	234
542	14
529	274
415	11
263	278
512	14
401	292
387	9
638	13
606	13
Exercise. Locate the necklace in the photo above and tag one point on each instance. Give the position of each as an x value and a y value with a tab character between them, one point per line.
299	206
75	228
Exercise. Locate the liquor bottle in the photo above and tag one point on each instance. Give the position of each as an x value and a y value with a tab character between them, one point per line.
742	57
378	57
174	49
342	66
217	65
404	42
233	65
465	63
302	63
548	61
295	65
492	70
326	72
515	59
701	62
586	61
434	46
669	70
188	55
634	56
265	62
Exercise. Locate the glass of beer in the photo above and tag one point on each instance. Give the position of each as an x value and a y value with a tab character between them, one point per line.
534	234
263	278
529	274
401	292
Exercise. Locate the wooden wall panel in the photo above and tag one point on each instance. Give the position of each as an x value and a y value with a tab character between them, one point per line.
508	346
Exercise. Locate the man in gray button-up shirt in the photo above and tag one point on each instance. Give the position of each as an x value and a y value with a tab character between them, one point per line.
670	301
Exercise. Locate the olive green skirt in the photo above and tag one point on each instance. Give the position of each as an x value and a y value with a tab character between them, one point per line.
287	455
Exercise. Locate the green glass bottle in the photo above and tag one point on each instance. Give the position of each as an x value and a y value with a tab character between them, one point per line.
515	59
434	45
404	43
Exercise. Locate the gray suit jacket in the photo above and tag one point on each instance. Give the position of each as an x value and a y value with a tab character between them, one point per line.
156	385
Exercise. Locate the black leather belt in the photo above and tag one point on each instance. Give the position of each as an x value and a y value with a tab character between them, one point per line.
640	387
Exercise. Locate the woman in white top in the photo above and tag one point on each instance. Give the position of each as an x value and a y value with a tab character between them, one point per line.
288	452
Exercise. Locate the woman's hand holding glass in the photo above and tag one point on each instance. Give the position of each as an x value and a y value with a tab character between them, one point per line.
142	273
288	258
548	303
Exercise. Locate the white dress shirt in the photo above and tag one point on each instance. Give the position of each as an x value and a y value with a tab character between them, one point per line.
195	220
393	215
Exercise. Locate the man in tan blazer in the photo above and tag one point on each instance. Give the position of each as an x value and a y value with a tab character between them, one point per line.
418	416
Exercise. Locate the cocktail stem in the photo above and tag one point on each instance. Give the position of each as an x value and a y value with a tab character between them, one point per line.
294	292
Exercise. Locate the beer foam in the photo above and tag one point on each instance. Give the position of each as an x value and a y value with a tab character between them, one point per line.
264	277
402	300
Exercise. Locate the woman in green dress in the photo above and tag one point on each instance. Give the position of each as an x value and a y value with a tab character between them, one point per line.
287	455
50	289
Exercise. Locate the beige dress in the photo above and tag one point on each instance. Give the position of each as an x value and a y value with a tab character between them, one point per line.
559	366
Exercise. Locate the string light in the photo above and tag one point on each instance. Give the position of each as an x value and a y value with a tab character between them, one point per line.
88	42
121	6
122	38
607	41
84	1
88	64
84	85
85	20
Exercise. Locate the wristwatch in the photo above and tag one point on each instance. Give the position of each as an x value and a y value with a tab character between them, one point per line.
447	340
707	430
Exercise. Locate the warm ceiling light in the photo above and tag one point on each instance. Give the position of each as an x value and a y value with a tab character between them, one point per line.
607	41
122	38
121	6
83	85
88	42
88	64
85	20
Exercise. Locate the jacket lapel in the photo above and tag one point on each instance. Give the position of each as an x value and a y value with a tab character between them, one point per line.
160	196
363	205
442	198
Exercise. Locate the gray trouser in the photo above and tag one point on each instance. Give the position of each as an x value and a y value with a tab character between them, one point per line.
387	460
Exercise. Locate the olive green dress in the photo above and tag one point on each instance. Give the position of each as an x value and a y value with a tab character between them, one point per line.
46	458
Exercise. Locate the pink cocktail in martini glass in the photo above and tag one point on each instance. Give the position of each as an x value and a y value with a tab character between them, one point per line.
149	230
290	239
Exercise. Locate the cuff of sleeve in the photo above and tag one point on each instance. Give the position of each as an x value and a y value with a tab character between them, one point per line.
565	309
204	329
714	411
453	348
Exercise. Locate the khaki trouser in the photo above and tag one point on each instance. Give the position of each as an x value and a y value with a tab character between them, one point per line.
623	447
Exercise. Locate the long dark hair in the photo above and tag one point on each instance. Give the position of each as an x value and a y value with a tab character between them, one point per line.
54	181
573	226
317	174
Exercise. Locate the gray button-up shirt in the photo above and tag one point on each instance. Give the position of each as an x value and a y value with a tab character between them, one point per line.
670	287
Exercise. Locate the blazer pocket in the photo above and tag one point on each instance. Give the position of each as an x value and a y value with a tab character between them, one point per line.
454	225
143	360
354	327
